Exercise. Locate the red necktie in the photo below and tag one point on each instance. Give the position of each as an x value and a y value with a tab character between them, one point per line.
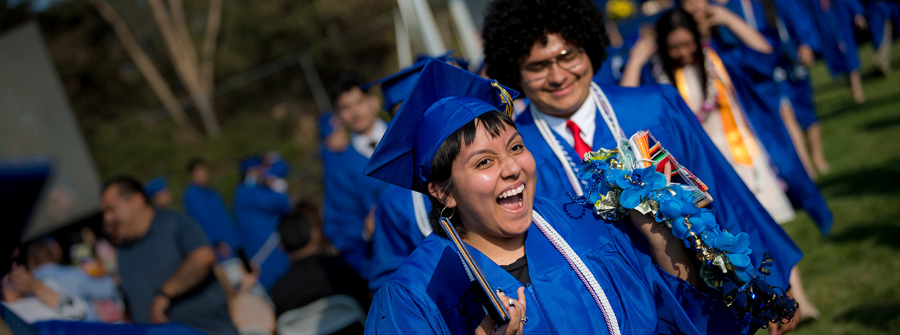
580	147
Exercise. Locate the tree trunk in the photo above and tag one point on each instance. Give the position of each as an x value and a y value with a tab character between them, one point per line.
143	62
171	25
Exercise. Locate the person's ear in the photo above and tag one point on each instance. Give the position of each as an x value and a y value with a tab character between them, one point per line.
442	194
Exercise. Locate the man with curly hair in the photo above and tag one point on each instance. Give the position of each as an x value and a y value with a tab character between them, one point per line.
548	50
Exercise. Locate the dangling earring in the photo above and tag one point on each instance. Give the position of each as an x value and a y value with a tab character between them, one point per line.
453	209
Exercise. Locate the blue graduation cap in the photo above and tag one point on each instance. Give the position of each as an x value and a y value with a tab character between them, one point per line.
250	162
154	186
396	86
443	99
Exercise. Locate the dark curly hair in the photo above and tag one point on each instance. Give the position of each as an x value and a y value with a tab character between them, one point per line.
511	27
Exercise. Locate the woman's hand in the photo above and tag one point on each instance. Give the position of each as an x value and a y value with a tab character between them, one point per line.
516	310
720	16
642	50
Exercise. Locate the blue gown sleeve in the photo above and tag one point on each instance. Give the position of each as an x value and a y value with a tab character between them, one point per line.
269	201
798	21
855	6
392	240
395	310
345	210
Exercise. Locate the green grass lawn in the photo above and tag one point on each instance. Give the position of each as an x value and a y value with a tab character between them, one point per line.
853	274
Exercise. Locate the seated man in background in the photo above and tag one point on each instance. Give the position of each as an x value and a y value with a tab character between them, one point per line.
312	276
165	262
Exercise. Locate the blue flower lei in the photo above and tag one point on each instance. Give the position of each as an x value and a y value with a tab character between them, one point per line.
614	188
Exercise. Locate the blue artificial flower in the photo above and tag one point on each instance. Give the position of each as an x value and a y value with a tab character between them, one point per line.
638	187
738	249
679	228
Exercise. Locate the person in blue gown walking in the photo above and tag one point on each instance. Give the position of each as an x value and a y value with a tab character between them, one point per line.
350	196
720	106
204	204
883	18
450	140
836	21
566	91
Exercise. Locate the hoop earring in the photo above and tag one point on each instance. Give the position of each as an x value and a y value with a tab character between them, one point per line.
451	214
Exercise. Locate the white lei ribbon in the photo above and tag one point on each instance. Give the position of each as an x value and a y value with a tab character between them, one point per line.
609	116
421	214
587	278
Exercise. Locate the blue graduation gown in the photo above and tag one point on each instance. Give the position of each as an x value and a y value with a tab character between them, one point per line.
660	109
349	197
837	34
751	72
206	206
258	210
429	293
790	80
877	13
396	233
800	29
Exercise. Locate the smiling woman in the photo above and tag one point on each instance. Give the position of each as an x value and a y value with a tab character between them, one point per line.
572	273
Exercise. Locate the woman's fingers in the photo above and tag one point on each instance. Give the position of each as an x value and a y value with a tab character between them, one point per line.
486	327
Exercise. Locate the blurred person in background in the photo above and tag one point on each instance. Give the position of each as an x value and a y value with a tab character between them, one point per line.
401	215
33	301
350	196
718	109
257	208
835	20
158	192
204	204
883	18
312	276
763	17
165	262
44	259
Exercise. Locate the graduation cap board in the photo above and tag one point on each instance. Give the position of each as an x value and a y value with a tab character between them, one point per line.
23	181
396	86
155	185
443	99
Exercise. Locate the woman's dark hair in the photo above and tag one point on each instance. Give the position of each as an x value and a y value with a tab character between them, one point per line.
512	27
441	167
672	21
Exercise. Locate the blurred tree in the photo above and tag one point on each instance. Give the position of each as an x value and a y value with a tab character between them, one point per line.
195	71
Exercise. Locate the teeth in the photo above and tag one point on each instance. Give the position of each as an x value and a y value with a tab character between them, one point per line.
515	191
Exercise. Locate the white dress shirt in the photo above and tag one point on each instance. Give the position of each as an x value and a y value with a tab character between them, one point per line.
363	143
585	117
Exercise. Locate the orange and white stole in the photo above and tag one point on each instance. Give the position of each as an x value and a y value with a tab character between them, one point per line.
742	150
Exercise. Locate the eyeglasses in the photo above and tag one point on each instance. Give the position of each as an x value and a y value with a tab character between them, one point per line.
569	59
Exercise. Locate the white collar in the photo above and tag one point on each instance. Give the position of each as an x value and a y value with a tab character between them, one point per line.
362	143
585	117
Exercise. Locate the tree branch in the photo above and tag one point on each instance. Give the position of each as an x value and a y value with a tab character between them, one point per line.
142	61
210	40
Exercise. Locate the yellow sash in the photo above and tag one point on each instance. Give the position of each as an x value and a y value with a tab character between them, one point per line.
740	150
